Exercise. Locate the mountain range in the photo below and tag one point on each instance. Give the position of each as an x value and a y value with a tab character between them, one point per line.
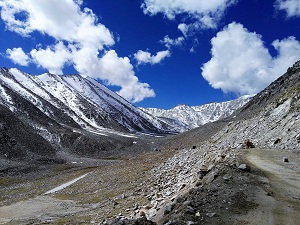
184	117
42	116
54	129
79	101
50	117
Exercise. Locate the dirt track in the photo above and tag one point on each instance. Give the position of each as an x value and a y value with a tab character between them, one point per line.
283	204
277	204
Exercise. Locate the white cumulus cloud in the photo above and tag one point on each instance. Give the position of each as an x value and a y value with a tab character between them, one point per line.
206	13
291	7
62	20
79	40
53	57
18	56
143	57
113	70
169	42
241	63
193	15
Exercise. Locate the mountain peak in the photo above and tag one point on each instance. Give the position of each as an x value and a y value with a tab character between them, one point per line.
185	117
84	100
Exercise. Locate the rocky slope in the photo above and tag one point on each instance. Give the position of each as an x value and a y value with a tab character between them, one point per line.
184	117
190	188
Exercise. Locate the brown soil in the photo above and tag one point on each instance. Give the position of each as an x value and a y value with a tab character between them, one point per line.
284	179
267	194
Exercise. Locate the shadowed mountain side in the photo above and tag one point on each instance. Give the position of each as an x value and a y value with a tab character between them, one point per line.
20	141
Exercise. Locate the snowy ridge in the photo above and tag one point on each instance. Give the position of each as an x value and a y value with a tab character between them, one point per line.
85	101
185	117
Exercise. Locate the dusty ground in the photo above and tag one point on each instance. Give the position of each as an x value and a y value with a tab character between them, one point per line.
284	179
112	187
267	194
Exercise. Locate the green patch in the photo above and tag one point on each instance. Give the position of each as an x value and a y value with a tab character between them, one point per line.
7	181
75	220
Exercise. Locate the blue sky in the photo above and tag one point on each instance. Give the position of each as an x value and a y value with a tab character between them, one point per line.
155	53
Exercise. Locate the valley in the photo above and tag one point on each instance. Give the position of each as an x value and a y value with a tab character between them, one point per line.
137	170
105	191
125	188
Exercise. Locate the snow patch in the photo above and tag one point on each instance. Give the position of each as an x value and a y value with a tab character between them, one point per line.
5	97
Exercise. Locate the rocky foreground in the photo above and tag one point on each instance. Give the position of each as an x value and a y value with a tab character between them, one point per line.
211	183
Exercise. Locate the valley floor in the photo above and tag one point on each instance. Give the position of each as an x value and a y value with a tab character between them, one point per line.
111	187
267	194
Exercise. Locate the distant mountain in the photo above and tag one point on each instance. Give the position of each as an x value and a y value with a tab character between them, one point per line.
270	119
76	101
50	118
185	117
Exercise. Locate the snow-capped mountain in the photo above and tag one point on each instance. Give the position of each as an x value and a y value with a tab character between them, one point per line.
76	101
185	117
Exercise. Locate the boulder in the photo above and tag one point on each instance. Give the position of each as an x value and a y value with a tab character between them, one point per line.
244	167
211	214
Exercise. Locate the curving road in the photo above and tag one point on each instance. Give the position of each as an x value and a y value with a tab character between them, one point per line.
283	206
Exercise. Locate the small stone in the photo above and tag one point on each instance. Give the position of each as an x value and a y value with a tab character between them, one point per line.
182	186
210	177
152	213
227	177
179	199
186	203
142	214
190	223
115	203
197	214
123	196
285	159
210	214
198	183
190	210
244	167
168	208
168	193
277	141
135	206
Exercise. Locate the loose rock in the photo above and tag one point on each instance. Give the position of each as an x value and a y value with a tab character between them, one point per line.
285	159
244	167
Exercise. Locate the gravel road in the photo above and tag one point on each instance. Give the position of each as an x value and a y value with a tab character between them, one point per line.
283	206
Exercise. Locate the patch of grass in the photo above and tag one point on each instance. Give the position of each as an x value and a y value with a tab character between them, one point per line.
74	220
7	181
112	158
